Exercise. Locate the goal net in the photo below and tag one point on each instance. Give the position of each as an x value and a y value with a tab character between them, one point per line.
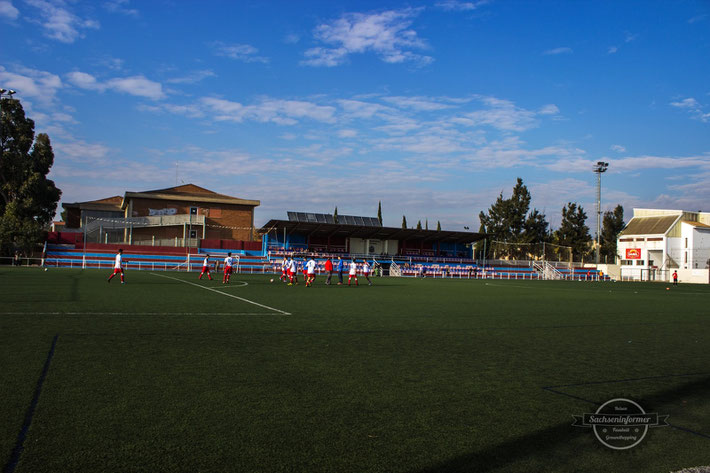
502	250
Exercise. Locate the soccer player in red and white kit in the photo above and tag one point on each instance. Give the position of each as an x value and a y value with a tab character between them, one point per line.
284	269
366	272
353	272
118	267
206	268
228	262
292	277
310	272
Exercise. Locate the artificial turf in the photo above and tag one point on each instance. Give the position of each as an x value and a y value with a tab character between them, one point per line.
407	375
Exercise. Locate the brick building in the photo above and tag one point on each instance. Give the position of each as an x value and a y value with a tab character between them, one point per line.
185	213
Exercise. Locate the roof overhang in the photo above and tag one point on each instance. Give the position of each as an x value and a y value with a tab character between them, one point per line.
371	233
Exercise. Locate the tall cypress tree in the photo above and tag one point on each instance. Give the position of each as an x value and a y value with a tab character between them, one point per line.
379	212
404	221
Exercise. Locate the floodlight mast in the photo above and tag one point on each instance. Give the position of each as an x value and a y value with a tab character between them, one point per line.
599	168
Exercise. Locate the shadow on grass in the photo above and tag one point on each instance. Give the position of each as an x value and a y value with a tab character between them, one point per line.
551	439
498	456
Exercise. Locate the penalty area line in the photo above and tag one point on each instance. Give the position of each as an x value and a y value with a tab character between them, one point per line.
223	293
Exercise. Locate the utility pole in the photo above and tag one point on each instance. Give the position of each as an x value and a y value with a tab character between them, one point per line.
599	168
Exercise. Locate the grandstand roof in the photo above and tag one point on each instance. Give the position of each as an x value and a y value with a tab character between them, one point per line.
368	232
649	225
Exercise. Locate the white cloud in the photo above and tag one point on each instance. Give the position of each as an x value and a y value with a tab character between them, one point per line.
686	103
138	86
84	81
561	50
417	103
387	34
240	52
81	151
501	114
291	38
347	133
40	85
618	148
694	108
549	109
8	10
192	77
629	37
457	5
283	112
636	163
697	18
120	6
59	23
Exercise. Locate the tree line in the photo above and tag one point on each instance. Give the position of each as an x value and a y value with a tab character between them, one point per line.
514	231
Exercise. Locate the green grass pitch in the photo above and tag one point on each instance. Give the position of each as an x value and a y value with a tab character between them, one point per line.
170	374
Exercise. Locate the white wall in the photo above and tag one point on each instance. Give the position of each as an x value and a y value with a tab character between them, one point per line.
701	249
373	247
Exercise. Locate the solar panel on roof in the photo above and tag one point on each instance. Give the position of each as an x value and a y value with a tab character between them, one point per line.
309	217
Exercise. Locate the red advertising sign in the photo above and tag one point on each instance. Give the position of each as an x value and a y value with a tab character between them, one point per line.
633	253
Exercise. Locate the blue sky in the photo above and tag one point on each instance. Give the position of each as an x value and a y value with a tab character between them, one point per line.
433	108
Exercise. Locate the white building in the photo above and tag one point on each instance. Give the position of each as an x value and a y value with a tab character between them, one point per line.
657	242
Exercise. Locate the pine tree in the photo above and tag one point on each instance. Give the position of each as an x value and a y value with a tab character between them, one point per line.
404	221
574	232
335	214
426	224
28	200
438	226
507	220
379	212
612	224
419	225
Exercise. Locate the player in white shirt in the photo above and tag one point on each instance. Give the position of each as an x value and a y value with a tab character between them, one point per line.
206	268
228	262
353	272
118	267
292	278
310	272
284	269
366	272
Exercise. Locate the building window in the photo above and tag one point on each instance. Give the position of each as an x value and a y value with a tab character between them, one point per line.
193	233
685	257
686	243
640	262
193	210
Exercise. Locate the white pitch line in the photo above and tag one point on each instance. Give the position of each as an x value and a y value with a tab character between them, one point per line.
223	293
134	313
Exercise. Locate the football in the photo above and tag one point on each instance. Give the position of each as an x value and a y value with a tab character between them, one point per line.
271	280
46	269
